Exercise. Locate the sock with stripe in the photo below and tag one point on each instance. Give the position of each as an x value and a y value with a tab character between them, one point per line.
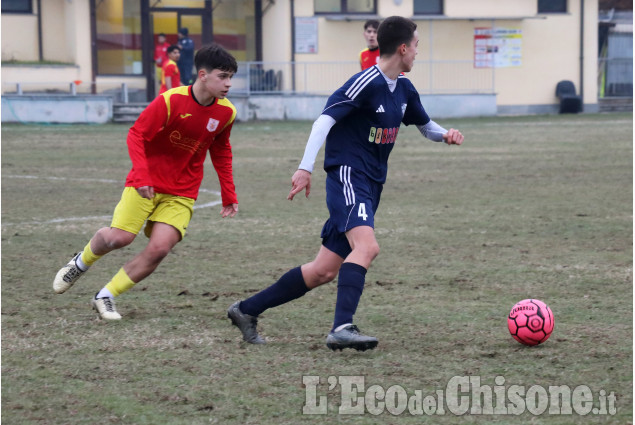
350	285
289	287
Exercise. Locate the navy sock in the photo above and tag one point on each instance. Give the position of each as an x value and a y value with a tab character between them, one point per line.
289	287
350	285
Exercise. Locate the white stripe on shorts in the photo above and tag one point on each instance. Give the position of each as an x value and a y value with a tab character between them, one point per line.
345	179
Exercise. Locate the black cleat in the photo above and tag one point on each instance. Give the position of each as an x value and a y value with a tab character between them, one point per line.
349	337
246	323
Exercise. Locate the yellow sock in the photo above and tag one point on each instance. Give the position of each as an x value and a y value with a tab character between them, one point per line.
120	283
88	257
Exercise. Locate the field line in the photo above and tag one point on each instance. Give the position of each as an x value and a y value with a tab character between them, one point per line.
88	218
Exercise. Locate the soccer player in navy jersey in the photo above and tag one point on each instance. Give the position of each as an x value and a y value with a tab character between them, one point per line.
360	124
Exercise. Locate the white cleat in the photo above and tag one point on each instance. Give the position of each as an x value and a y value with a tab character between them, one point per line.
105	307
67	276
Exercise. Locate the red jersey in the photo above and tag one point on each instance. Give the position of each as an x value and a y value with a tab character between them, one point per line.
368	58
161	54
169	142
171	71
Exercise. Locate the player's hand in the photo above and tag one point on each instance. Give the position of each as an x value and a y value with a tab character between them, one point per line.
146	192
453	137
301	179
229	210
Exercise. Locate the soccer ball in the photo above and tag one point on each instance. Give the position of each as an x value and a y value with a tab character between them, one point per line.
530	322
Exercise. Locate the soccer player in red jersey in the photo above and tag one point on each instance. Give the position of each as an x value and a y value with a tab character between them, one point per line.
370	56
160	55
161	51
168	145
171	76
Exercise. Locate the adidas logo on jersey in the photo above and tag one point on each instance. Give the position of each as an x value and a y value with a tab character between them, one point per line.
380	109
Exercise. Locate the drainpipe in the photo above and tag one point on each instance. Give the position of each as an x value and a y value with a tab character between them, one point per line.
292	5
582	52
39	30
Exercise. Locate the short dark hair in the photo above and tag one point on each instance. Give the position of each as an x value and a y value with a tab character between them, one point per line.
161	34
371	23
172	48
393	32
214	56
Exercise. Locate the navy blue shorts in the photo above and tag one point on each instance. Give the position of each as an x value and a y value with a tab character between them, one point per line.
352	199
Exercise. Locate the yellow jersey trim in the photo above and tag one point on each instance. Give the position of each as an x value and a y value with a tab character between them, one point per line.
166	96
227	103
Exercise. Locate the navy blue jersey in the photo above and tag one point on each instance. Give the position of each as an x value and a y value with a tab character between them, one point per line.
368	116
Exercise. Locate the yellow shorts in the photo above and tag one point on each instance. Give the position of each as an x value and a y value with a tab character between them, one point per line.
133	210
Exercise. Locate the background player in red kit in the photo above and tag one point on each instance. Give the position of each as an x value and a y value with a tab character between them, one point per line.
171	76
168	145
370	56
160	55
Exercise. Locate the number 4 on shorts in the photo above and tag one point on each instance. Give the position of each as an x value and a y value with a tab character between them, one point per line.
361	212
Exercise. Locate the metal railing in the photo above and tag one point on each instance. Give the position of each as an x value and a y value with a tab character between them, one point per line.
290	78
429	77
615	77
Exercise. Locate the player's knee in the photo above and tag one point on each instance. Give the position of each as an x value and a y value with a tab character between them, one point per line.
326	276
370	251
156	253
115	238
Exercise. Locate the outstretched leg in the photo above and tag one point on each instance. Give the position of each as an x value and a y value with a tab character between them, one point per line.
292	285
105	240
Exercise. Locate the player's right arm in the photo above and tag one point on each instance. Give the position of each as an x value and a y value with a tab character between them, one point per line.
302	177
150	122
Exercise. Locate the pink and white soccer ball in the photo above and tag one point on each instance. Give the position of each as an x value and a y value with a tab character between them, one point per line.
530	322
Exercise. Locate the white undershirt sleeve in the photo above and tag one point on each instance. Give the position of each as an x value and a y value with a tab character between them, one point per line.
319	131
432	131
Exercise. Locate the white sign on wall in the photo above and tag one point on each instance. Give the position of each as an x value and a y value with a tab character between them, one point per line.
306	35
497	47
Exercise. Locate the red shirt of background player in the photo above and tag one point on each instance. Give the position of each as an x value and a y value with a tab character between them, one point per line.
171	71
368	58
161	54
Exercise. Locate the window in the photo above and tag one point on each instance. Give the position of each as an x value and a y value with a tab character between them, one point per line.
552	6
345	6
17	6
119	46
428	7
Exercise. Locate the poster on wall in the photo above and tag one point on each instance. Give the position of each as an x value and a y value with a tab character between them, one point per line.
497	47
306	35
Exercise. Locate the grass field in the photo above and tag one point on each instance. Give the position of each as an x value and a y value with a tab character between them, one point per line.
529	207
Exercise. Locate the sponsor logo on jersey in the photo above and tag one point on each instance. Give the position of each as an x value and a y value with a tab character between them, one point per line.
212	125
183	142
383	135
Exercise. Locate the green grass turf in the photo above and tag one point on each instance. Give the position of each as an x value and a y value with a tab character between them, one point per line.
529	207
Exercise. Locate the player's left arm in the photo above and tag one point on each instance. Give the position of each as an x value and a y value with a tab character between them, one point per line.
436	133
416	114
221	155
